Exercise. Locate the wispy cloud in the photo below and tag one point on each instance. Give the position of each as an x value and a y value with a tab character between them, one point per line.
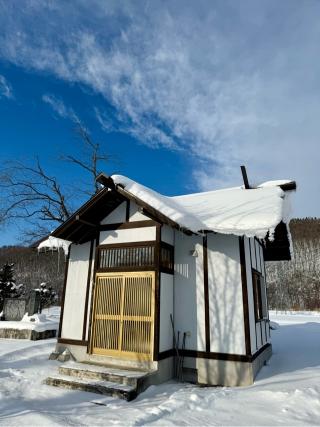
59	107
229	83
5	88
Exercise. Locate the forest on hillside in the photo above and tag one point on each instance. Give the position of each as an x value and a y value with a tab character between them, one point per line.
291	284
295	284
32	268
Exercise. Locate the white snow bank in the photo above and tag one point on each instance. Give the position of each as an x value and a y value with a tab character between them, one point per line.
36	322
274	325
54	243
238	211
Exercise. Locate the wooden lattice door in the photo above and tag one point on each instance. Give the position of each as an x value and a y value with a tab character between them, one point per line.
123	315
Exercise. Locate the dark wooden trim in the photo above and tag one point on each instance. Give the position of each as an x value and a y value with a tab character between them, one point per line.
84	343
166	245
156	343
165	354
126	225
216	356
64	291
84	331
255	322
261	350
206	293
96	255
128	244
128	268
166	270
83	221
255	295
127	210
245	295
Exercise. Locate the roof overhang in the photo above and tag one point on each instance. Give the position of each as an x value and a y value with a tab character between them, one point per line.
83	225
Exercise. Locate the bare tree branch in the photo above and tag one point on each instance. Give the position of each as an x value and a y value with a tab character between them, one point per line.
30	194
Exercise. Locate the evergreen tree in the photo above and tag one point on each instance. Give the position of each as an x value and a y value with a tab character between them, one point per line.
47	296
8	287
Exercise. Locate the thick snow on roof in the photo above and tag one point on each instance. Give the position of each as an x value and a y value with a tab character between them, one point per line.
54	243
253	212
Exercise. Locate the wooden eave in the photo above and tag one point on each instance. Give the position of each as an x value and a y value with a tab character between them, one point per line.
83	225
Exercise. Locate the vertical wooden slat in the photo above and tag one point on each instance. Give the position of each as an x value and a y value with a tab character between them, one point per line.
123	318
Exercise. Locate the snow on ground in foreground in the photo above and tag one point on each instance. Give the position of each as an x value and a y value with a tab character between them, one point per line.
286	392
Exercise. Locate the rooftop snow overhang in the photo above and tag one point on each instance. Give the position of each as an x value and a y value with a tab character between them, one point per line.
83	225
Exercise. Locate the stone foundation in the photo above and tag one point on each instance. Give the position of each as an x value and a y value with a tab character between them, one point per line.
27	334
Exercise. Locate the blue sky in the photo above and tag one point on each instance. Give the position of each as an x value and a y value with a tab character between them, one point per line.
181	93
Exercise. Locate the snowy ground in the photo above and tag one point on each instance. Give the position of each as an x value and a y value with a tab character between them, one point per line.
286	392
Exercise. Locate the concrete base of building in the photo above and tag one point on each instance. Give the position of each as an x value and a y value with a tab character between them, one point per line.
204	371
225	372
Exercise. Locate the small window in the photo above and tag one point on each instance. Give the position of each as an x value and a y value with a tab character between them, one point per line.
166	258
259	295
126	258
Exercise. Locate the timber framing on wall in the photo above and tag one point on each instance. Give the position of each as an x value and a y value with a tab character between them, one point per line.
85	318
215	356
157	297
206	293
245	295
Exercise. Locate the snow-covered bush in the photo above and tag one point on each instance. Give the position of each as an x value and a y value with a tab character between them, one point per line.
47	295
8	287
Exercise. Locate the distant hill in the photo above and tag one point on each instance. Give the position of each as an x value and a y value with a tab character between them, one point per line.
32	268
296	284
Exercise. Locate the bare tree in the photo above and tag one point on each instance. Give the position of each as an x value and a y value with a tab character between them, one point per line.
92	156
34	197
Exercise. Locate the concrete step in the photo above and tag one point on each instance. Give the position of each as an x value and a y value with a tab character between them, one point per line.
104	373
108	388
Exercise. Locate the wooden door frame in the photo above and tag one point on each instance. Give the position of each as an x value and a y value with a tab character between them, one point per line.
119	353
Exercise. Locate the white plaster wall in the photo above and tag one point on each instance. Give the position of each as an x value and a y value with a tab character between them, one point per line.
188	290
116	216
252	320
75	295
167	234
225	295
128	235
166	308
134	214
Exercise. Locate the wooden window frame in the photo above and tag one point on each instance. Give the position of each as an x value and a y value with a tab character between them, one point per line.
164	267
259	310
167	267
148	243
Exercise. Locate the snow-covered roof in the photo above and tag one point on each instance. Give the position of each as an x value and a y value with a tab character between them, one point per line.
54	243
239	211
